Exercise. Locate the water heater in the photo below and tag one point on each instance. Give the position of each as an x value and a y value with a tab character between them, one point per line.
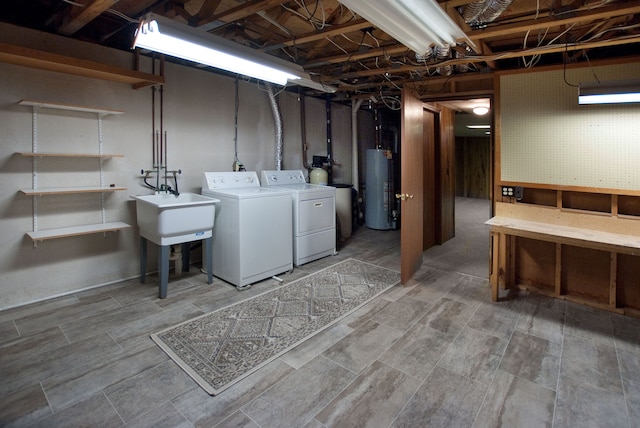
380	204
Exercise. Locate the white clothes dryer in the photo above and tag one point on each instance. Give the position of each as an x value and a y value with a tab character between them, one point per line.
251	240
314	214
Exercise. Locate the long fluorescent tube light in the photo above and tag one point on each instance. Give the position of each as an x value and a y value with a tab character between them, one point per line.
479	126
417	24
160	34
611	92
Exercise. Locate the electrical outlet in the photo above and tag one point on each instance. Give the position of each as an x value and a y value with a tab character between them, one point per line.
512	192
507	191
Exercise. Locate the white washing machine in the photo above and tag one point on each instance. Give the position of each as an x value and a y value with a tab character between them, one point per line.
314	214
253	225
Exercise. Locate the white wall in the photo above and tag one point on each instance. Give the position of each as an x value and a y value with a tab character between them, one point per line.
199	120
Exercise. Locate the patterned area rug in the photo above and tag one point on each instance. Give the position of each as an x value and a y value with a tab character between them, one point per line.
220	348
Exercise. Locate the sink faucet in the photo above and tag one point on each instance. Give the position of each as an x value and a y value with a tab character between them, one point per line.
173	191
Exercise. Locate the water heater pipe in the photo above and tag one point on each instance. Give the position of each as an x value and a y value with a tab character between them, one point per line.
355	106
329	149
303	129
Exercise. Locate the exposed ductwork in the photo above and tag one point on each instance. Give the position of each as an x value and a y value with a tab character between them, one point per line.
277	123
484	11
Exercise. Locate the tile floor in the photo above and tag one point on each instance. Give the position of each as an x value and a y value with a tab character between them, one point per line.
436	353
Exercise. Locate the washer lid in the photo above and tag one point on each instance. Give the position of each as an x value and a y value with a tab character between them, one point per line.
245	192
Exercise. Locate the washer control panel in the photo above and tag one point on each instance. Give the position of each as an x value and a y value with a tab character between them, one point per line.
229	180
275	178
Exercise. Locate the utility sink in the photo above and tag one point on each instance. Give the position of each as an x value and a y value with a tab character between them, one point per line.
166	219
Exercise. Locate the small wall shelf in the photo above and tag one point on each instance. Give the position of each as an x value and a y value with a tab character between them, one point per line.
69	155
102	189
87	229
69	107
69	190
33	58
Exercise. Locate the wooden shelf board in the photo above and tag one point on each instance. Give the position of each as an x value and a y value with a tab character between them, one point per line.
69	155
63	232
33	58
69	190
69	107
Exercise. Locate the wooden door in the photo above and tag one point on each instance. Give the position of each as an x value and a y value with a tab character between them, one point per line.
411	182
430	171
446	185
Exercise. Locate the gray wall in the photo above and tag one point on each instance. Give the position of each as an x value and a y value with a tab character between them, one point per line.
199	119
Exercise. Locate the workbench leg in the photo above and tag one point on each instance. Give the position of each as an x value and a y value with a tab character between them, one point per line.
163	270
494	257
143	259
208	254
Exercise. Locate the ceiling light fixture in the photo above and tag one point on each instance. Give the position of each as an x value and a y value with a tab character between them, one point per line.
612	92
480	111
479	126
166	36
417	24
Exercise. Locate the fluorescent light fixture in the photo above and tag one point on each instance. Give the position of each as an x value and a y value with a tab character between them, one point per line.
417	24
480	111
160	34
612	92
479	126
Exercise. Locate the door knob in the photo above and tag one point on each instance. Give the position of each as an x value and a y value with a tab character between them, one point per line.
403	196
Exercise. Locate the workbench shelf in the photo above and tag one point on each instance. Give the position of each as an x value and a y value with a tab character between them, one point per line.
36	191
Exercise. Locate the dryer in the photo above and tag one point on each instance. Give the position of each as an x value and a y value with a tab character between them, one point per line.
253	227
314	214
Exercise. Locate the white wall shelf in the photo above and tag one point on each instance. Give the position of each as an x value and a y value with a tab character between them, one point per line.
87	229
69	155
102	189
69	107
69	190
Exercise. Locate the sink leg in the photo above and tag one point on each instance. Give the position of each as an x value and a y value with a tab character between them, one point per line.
209	257
143	259
163	270
186	253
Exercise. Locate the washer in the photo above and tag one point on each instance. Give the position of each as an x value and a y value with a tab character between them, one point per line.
253	223
314	214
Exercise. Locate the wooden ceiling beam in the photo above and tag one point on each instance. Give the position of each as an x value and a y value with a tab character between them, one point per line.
82	16
240	12
385	50
318	35
503	55
536	24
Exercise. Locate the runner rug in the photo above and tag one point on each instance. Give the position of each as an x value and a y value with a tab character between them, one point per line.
222	347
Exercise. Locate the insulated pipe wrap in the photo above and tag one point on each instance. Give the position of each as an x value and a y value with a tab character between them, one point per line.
277	122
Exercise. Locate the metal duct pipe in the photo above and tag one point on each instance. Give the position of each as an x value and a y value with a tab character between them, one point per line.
494	9
473	10
277	122
484	11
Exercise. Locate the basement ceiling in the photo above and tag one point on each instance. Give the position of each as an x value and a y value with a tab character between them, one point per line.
338	47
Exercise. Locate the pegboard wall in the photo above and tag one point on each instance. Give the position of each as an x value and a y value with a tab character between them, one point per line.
548	138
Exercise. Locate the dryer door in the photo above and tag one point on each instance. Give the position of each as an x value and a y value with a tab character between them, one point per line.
316	214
